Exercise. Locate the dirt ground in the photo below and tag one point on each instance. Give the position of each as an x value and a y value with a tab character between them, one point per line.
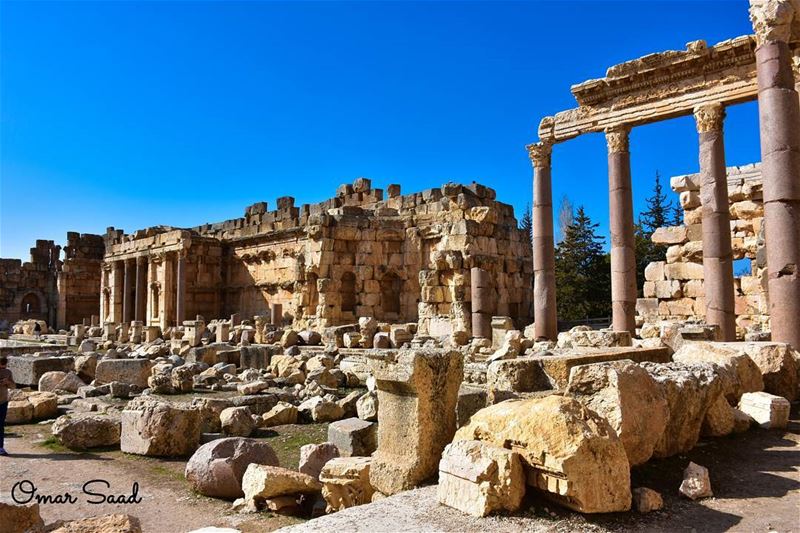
755	477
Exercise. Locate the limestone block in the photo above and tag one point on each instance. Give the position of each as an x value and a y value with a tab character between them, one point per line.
649	289
131	371
283	413
236	421
655	271
81	432
685	183
669	235
28	369
318	409
262	481
353	437
216	469
517	375
569	452
668	289
18	518
313	457
345	483
768	410
417	393
689	199
156	428
684	271
631	401
367	406
478	478
691	390
778	363
737	371
720	419
747	210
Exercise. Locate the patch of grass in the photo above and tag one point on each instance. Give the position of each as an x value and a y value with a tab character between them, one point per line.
289	439
52	444
165	471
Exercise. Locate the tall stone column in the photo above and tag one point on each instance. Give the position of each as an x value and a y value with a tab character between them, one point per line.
717	253
141	289
779	119
180	289
482	297
623	255
545	315
127	285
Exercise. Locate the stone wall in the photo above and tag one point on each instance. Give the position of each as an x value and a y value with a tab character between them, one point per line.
79	279
673	288
399	258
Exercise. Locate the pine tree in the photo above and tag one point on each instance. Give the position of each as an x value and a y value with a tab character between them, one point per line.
582	271
565	217
660	212
526	223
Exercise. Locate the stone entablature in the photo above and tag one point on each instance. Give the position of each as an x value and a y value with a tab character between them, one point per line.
402	258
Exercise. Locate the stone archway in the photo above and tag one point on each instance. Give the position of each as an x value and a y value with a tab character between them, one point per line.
31	305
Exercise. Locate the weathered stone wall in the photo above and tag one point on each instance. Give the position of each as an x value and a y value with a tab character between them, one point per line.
403	258
673	288
79	279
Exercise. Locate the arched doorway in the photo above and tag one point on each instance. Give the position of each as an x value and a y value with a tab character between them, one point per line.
348	291
31	305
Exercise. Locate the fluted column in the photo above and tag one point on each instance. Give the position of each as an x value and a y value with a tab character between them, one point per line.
127	285
545	315
717	253
779	119
623	255
180	289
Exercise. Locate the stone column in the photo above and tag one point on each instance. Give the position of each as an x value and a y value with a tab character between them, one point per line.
180	290
276	314
127	304
141	289
544	265
623	255
417	394
717	253
779	119
481	296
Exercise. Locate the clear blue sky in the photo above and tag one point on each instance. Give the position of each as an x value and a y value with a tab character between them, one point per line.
132	114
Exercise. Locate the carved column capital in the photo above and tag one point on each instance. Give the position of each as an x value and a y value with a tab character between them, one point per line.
772	19
617	139
540	154
709	117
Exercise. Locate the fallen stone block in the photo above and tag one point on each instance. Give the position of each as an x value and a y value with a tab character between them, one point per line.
479	479
260	482
150	427
345	483
738	372
82	432
131	371
283	413
569	452
768	410
314	456
18	518
28	369
237	422
353	437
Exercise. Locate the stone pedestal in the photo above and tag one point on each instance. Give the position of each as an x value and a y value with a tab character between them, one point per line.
717	254
623	255
223	332
482	296
544	269
109	331
151	333
193	331
417	394
137	331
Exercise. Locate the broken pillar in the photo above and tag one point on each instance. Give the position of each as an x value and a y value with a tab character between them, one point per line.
482	303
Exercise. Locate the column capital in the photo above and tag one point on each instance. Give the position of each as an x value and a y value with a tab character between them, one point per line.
709	117
772	19
617	139
540	153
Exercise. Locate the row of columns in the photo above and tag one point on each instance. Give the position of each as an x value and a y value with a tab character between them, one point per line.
717	251
135	288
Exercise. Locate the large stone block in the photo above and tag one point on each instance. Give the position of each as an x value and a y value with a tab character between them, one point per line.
159	429
131	371
86	431
478	478
28	369
631	401
345	483
569	452
768	410
353	437
417	393
738	372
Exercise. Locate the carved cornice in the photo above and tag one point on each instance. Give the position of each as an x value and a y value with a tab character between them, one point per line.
617	139
772	20
709	117
540	153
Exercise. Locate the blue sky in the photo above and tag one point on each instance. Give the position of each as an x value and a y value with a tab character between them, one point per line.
132	114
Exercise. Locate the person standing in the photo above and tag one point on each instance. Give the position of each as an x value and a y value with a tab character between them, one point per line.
6	382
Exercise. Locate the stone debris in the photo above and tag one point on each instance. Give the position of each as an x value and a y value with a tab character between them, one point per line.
18	518
767	410
85	431
696	484
29	406
261	482
569	452
345	483
216	469
632	402
737	370
110	523
283	413
646	500
151	427
478	478
237	421
313	457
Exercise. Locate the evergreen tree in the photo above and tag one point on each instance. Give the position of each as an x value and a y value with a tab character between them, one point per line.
582	271
660	212
565	216
526	223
